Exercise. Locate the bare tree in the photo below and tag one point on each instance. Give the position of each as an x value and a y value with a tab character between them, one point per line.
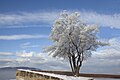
73	40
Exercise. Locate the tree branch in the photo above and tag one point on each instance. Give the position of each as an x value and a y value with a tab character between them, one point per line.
75	46
89	47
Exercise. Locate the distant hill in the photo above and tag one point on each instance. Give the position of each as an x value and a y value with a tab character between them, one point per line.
15	68
9	73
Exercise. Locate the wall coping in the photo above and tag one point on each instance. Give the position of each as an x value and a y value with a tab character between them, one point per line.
61	77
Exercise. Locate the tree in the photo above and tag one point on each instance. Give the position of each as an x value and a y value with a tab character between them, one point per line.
73	40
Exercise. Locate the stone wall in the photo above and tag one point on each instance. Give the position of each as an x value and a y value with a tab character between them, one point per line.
38	75
26	75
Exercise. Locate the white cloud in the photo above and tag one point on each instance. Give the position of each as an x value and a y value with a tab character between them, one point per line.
28	45
25	54
21	36
27	18
46	18
33	59
110	52
6	53
25	44
103	61
6	59
102	19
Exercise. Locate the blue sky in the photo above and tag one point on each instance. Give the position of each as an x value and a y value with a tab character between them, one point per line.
25	26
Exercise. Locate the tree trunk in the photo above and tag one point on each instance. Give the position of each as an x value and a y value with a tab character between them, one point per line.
75	64
77	71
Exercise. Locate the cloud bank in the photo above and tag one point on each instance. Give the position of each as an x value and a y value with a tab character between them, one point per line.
26	19
21	36
112	21
46	18
28	45
6	53
103	61
33	59
106	60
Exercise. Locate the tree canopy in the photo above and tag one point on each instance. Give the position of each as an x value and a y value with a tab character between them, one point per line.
73	39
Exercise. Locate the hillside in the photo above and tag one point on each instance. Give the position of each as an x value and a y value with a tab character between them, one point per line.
9	73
